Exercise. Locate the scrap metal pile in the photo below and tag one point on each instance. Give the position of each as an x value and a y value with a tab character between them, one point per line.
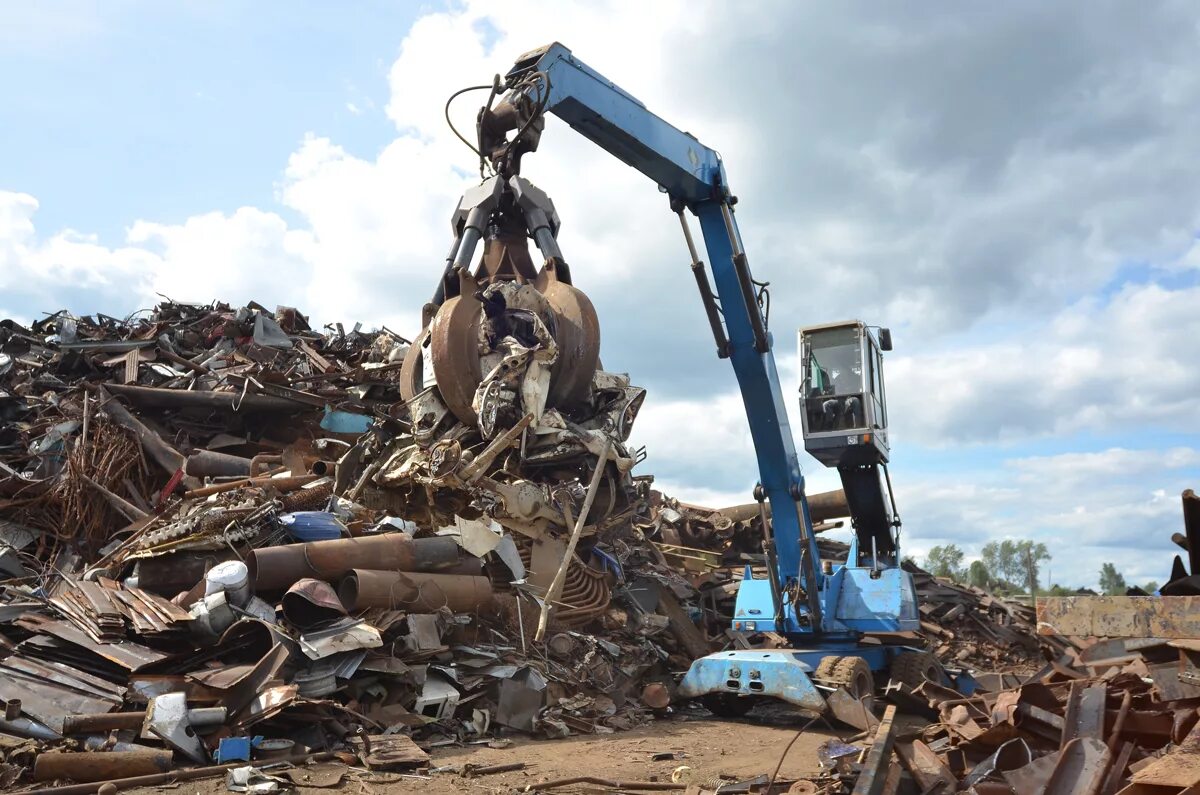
220	524
963	626
1111	716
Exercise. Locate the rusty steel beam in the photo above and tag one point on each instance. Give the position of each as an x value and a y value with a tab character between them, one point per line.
875	767
1191	529
1084	716
1120	616
1082	764
101	765
414	591
278	568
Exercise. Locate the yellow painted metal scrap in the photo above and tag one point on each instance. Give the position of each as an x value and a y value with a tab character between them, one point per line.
1120	616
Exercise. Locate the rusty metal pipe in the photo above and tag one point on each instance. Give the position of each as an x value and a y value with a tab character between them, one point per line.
100	766
277	568
188	774
279	484
24	727
323	467
199	718
206	463
413	591
611	784
821	508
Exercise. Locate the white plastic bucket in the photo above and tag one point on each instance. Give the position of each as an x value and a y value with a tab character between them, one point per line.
233	578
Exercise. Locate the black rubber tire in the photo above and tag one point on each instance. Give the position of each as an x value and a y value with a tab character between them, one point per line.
727	706
914	667
854	675
825	668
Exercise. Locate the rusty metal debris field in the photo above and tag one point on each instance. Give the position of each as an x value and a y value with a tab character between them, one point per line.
226	532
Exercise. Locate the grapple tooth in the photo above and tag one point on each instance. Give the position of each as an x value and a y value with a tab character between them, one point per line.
577	332
454	350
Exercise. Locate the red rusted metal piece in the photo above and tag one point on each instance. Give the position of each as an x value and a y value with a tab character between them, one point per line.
311	602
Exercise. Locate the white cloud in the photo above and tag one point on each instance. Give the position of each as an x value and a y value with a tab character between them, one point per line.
1121	365
248	255
1118	505
973	179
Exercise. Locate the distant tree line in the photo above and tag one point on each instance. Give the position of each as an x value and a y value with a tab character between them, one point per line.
1010	567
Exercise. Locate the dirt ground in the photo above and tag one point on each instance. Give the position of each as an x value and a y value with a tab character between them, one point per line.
716	751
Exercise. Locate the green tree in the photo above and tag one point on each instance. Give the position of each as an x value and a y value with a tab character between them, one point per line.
1029	557
945	561
1151	586
999	558
977	574
1112	582
1014	565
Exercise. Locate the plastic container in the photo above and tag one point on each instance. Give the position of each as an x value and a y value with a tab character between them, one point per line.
313	526
233	578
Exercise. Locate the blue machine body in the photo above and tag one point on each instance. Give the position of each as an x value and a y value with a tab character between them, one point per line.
821	613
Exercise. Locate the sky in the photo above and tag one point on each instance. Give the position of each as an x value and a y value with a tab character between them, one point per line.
1012	189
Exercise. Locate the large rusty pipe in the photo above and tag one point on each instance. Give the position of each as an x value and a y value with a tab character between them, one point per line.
414	592
277	568
100	766
199	718
821	508
208	463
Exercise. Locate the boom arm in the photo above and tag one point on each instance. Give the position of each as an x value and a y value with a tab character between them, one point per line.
693	176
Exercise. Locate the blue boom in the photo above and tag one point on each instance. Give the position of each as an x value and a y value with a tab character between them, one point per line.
823	613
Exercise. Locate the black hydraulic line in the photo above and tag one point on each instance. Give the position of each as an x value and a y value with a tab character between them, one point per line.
768	543
439	295
706	294
710	309
891	497
742	267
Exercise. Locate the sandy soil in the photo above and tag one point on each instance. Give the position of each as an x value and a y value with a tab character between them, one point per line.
713	749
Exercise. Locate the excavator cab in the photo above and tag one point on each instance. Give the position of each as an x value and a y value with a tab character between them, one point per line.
842	399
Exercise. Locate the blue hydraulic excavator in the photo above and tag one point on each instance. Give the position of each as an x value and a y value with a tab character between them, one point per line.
822	610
